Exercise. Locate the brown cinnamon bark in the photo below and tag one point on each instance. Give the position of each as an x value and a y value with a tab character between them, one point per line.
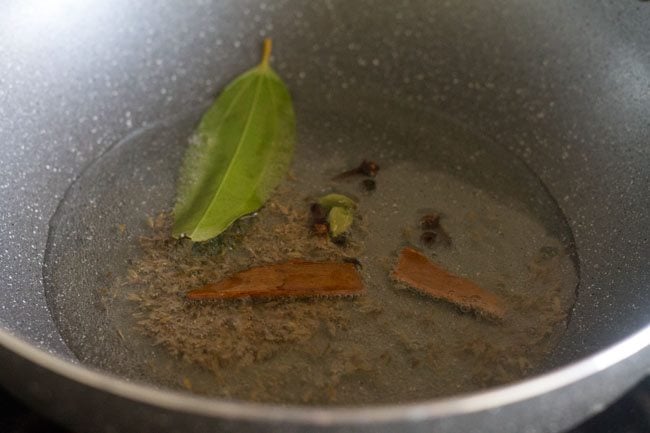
414	269
296	278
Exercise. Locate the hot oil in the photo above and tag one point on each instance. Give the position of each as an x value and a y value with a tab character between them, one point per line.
119	301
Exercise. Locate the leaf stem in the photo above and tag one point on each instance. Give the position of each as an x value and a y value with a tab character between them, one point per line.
266	53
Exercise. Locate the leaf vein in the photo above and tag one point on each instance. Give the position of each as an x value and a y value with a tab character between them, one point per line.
234	157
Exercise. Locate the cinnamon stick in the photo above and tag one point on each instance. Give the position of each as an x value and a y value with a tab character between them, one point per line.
296	278
414	269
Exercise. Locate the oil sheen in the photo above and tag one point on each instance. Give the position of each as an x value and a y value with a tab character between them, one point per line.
119	304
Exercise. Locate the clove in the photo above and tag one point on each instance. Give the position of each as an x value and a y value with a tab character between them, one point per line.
366	168
369	185
318	220
430	221
428	238
432	231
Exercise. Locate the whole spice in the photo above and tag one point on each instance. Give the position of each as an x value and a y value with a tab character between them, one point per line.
430	221
241	152
296	278
340	215
334	200
339	220
414	269
318	220
366	168
318	213
428	238
320	229
369	185
432	231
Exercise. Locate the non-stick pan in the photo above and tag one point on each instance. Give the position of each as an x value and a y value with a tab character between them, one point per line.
561	87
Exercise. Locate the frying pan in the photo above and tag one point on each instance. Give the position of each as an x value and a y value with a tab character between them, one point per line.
563	86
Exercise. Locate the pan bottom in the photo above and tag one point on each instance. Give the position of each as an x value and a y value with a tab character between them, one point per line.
119	305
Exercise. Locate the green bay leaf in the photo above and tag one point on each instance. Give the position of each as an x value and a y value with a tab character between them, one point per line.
240	153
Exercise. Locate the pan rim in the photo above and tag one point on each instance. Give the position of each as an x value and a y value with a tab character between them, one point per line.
329	416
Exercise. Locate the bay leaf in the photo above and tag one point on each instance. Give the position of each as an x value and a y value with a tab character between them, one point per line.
241	151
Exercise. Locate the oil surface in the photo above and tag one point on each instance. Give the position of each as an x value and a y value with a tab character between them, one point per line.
388	345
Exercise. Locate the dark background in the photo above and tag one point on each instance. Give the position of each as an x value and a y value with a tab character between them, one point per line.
630	414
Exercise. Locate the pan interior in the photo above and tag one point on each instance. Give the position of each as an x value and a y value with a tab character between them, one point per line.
389	345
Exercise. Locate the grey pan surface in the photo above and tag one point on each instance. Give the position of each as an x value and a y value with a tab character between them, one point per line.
563	85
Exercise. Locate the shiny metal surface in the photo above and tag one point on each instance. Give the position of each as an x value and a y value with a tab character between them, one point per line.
90	401
564	85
